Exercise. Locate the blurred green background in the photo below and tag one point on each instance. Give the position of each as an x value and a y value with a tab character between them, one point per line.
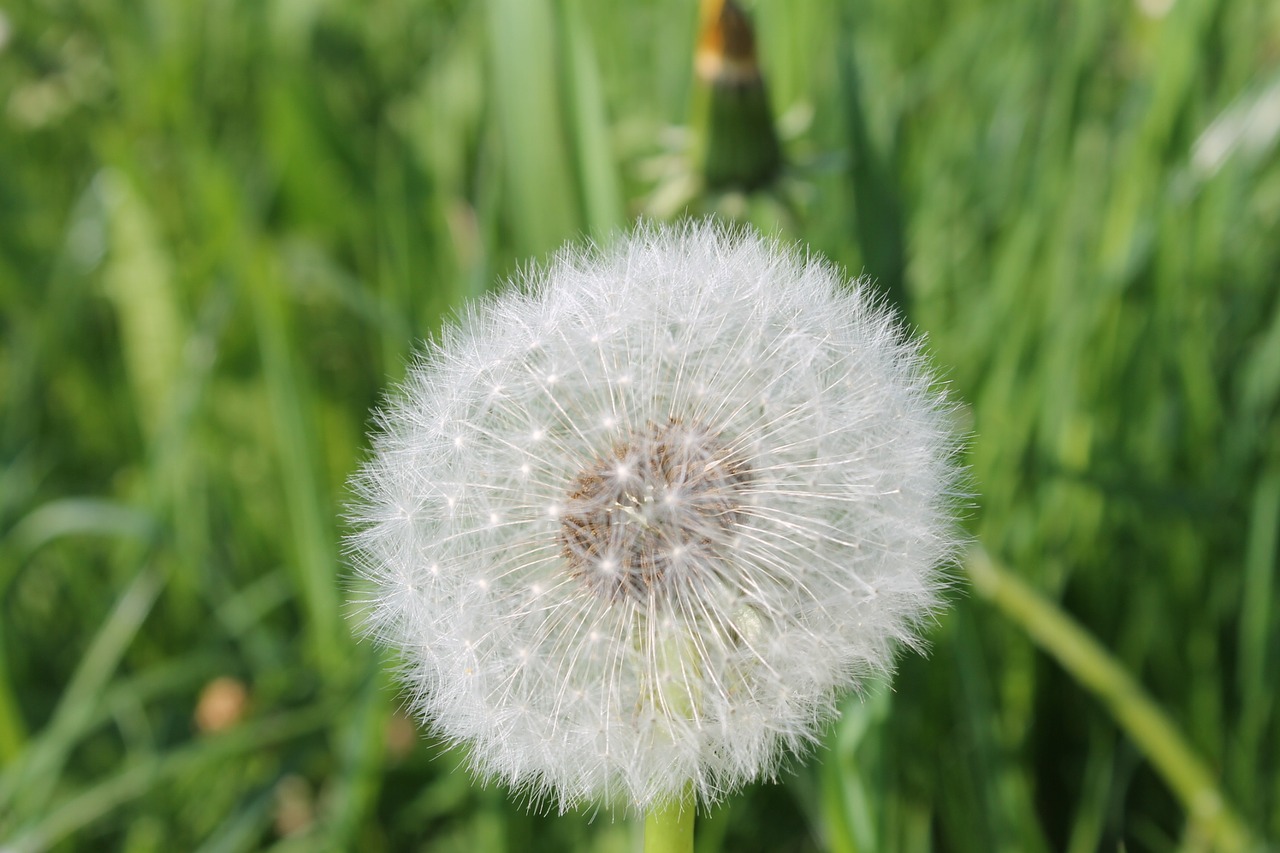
225	224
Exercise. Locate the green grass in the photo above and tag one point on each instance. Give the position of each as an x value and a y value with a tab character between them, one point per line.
224	225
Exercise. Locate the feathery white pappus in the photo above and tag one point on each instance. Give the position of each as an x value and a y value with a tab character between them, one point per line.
638	521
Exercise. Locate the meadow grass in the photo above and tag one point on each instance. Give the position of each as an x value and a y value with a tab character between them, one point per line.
225	225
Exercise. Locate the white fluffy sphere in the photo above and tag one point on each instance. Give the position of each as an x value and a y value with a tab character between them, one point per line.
639	521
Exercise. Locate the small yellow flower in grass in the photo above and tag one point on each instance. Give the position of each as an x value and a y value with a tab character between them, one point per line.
636	523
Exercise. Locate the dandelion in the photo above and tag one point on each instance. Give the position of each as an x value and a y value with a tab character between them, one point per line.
635	525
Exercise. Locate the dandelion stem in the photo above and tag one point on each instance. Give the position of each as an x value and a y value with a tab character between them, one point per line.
669	828
1143	721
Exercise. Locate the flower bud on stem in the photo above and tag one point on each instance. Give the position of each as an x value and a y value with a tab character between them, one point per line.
738	141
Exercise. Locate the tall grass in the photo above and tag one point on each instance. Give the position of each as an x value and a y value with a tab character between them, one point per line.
224	224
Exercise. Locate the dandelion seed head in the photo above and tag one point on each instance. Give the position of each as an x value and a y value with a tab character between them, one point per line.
641	520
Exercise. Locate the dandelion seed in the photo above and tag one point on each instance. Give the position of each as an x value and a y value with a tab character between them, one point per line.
677	496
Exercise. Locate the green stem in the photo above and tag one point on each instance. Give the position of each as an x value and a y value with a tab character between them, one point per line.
1140	717
669	828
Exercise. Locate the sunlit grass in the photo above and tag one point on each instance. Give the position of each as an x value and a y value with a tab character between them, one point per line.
223	226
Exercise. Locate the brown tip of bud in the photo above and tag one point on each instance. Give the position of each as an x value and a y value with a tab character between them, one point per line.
726	53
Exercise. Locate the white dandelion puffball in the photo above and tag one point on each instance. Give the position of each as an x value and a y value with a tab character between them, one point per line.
638	522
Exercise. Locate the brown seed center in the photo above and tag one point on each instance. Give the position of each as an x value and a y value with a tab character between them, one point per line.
660	506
